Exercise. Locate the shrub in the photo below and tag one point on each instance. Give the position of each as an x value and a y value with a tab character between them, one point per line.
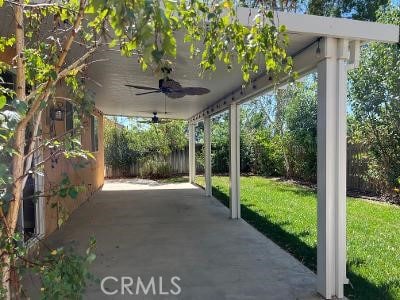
374	97
117	152
155	168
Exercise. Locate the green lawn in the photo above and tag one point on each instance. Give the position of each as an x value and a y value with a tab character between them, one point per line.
286	213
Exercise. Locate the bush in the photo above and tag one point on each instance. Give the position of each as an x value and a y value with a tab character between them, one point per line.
155	168
200	160
117	152
374	97
149	144
269	155
220	144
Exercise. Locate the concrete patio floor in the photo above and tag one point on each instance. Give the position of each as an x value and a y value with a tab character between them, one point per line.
146	229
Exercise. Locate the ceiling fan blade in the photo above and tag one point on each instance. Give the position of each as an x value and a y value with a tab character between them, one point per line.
195	91
152	112
141	87
159	114
145	93
175	94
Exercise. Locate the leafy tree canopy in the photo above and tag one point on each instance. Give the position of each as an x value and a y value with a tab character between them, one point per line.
375	102
355	9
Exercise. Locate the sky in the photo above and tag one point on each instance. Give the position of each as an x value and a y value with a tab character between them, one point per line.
125	121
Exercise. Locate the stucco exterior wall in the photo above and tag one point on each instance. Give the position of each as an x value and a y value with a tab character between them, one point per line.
90	177
7	55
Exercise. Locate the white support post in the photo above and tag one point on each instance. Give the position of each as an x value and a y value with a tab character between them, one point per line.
207	155
192	153
234	168
331	174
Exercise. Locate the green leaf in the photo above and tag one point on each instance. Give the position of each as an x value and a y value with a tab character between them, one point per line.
131	45
90	9
65	180
170	5
52	74
20	106
271	64
73	192
246	77
3	99
62	193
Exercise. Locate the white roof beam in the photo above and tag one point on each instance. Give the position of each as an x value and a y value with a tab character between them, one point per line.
328	27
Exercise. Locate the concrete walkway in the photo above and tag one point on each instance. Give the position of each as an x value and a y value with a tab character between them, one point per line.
146	229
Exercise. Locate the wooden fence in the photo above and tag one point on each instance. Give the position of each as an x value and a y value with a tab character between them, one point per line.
177	160
357	167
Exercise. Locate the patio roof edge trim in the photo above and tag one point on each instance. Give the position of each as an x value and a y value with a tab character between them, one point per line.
328	26
304	63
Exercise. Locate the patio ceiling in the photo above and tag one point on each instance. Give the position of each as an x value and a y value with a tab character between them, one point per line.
114	98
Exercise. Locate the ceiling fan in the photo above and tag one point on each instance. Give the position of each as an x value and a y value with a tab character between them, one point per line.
170	88
155	120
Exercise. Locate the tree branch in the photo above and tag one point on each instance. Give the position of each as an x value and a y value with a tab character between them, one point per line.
52	139
51	83
36	5
74	31
79	63
29	157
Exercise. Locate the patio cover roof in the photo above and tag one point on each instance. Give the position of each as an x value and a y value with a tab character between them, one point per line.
114	98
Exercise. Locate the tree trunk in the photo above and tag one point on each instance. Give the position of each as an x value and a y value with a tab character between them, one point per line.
19	141
19	136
